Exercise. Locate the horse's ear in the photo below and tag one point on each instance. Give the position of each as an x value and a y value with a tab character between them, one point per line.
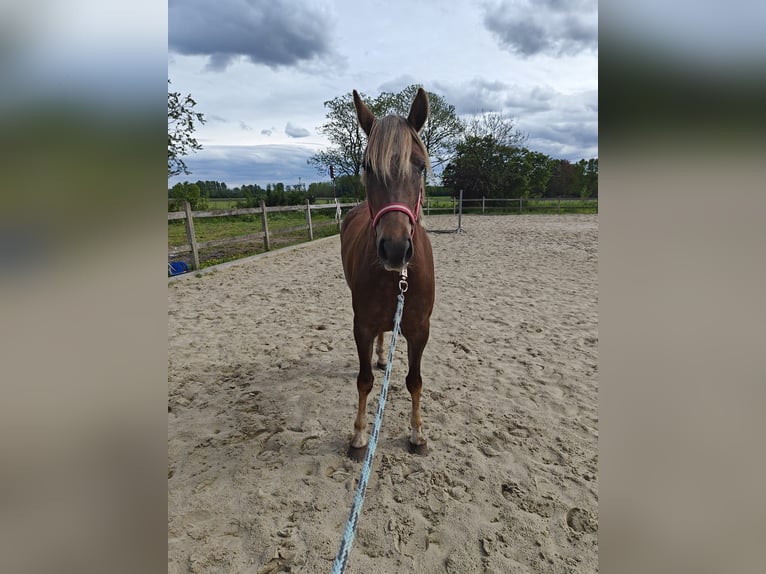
363	114
419	110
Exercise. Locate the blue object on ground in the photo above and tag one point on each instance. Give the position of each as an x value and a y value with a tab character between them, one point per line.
177	267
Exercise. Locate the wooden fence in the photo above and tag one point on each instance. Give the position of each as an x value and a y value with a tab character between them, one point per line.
194	246
518	204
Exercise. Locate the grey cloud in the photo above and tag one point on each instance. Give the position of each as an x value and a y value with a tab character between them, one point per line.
558	124
295	131
569	132
397	84
574	134
481	95
475	96
245	127
255	164
267	132
552	27
276	33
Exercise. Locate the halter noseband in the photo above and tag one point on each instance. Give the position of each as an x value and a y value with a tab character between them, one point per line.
396	206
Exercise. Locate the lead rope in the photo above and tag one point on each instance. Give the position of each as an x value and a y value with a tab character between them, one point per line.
341	559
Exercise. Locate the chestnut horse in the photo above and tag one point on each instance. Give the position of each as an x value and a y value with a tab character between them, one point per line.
381	237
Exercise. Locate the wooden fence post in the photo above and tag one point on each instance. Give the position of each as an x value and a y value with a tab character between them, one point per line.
428	204
482	204
265	226
190	235
558	205
520	200
308	221
338	213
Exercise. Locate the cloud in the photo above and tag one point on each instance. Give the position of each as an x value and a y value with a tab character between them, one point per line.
480	95
568	130
474	96
295	131
275	33
398	84
572	141
267	132
245	127
562	125
550	27
251	164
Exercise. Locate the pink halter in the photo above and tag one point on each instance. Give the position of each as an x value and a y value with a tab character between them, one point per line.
403	207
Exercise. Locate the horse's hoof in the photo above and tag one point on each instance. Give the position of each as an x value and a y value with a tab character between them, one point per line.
419	449
357	453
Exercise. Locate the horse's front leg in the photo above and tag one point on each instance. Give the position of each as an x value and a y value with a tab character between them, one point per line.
380	351
364	339
416	343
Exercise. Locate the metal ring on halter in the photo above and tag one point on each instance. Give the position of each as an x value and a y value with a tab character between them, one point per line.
403	285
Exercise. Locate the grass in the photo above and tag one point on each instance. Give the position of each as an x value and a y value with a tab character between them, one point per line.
211	228
506	207
231	203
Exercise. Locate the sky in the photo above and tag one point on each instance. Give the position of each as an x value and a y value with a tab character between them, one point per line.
260	72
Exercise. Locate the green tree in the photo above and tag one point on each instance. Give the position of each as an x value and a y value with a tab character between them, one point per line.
587	177
516	176
346	150
484	167
440	135
321	189
563	182
480	168
190	192
539	168
443	129
181	126
349	186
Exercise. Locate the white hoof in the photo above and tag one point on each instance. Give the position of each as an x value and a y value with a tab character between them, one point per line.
359	440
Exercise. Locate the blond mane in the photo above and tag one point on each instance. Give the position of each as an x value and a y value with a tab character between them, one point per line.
389	148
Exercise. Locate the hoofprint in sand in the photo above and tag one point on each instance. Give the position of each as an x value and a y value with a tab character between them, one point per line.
262	399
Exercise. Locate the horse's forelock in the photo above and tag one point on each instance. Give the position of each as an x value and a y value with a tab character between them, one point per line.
389	148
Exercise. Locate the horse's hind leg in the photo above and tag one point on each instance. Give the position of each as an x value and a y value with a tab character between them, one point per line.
416	343
380	352
364	340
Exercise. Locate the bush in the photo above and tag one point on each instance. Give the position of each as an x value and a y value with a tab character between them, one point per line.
187	192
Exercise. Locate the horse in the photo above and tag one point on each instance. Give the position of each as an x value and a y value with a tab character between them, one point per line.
380	238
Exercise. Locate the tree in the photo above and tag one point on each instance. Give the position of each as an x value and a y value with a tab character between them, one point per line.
441	133
346	151
181	126
540	168
502	129
587	177
480	168
563	179
190	192
443	128
484	167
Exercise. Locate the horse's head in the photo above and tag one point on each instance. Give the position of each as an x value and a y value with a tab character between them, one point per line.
394	163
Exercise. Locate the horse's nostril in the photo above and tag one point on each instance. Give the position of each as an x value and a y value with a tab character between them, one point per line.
408	255
382	249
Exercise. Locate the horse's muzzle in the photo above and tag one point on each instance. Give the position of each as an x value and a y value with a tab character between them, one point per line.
395	254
